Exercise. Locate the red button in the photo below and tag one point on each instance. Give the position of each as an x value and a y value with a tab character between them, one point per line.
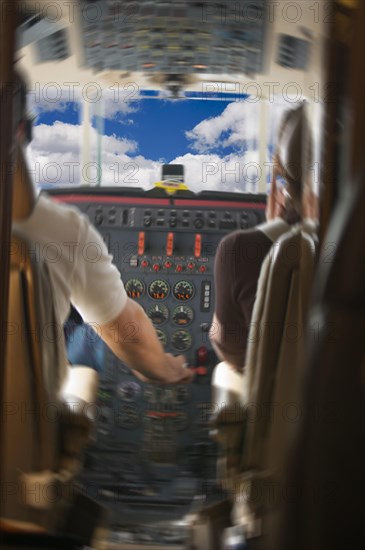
144	263
168	264
201	371
179	267
202	269
191	265
156	267
202	355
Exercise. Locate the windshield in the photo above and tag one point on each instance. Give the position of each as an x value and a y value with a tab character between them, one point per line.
105	140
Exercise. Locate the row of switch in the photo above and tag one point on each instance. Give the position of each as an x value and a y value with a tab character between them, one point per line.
170	237
226	222
134	262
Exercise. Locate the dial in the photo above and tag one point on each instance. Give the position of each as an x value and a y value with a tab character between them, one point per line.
134	288
181	340
158	314
158	289
183	291
182	315
181	421
129	391
128	416
182	395
161	336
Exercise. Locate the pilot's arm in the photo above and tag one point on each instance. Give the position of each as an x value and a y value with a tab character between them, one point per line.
132	337
99	295
237	268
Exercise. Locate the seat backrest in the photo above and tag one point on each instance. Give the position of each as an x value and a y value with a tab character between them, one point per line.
273	363
34	368
327	461
33	362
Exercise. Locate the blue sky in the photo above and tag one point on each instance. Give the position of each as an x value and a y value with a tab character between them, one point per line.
215	140
159	126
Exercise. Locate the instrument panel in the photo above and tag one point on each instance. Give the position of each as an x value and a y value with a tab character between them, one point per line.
152	449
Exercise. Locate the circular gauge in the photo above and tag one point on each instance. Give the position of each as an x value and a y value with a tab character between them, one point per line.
182	395
129	391
128	416
183	291
181	340
134	288
182	315
158	289
162	337
181	421
158	314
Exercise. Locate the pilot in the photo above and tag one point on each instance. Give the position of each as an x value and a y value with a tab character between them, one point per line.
83	274
241	253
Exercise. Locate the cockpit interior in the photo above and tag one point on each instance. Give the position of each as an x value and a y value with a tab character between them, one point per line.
158	121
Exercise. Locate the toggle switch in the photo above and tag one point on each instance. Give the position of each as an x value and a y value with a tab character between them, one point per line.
141	243
198	245
170	244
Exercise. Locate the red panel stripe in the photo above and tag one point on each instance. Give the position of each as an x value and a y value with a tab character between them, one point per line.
157	202
106	199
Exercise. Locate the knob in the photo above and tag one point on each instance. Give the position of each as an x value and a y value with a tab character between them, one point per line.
147	220
198	223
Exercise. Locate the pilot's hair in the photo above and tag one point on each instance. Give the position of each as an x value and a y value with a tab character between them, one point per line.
20	100
295	149
21	89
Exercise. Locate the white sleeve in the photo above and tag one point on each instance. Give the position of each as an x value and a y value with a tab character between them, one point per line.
97	290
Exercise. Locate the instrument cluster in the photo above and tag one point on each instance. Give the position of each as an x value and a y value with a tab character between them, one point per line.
152	443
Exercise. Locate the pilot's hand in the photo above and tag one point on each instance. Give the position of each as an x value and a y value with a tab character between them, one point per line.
177	372
180	372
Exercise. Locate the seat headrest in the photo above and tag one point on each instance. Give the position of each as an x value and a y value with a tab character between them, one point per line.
294	147
24	196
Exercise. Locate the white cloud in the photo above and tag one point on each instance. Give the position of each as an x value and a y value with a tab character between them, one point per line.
234	173
54	157
236	126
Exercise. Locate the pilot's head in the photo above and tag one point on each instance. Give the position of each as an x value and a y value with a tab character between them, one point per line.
23	122
293	158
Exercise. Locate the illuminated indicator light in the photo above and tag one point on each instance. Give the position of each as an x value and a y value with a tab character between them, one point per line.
202	355
198	246
156	267
199	66
144	263
170	244
202	269
141	243
201	371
